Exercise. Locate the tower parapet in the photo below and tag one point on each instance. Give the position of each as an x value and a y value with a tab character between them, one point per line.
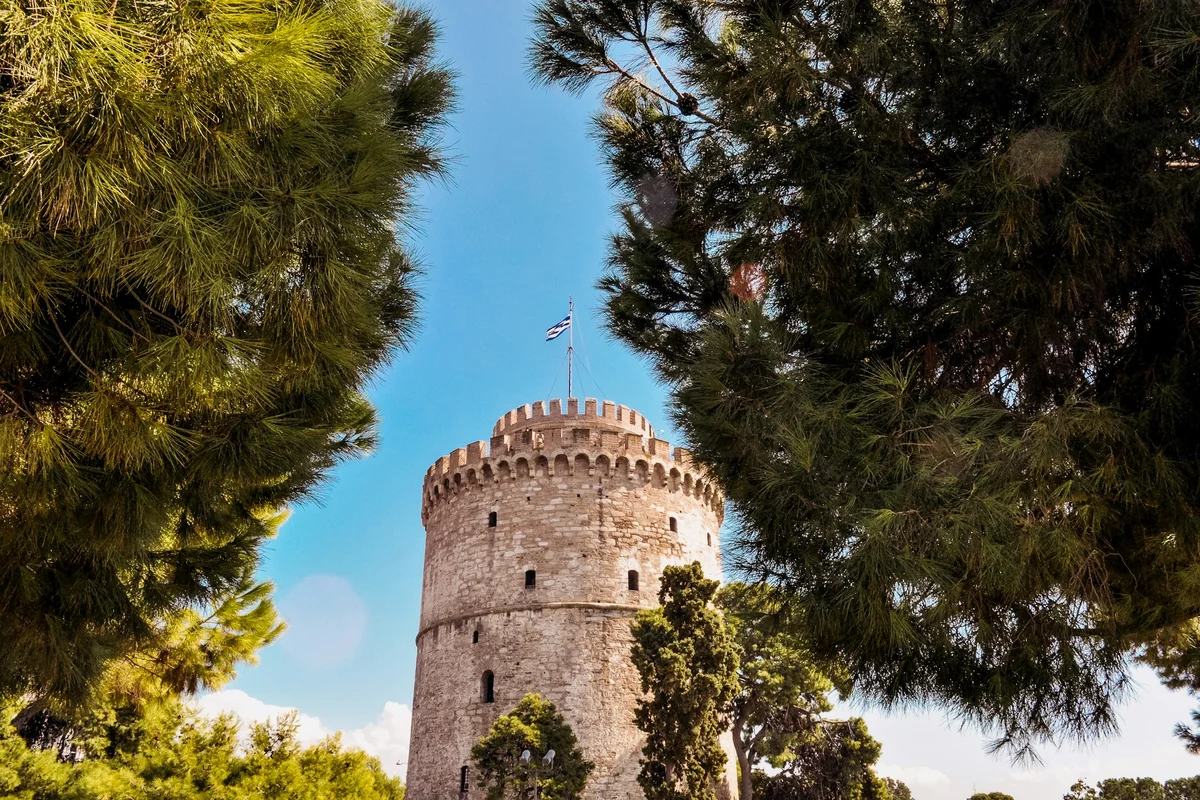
605	414
618	443
541	545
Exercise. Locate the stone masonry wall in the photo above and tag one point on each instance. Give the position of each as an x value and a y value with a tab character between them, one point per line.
581	499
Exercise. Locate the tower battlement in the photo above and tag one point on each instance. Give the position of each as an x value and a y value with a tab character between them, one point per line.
527	441
603	414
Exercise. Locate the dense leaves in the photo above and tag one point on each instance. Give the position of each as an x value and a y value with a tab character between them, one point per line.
198	273
175	755
687	660
783	693
787	749
536	726
1136	789
831	762
189	650
923	276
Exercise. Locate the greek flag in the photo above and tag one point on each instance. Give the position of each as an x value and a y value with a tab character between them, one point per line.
555	330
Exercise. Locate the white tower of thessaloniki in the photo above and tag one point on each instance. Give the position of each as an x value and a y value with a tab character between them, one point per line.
541	545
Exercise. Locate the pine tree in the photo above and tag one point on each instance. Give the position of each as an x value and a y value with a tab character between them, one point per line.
687	660
923	278
190	650
198	273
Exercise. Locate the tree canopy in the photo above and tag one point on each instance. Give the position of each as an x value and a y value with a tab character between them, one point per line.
189	650
923	279
199	271
831	761
777	712
687	660
176	755
1135	789
898	789
535	725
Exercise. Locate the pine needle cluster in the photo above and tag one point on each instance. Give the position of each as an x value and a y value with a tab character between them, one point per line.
199	270
923	276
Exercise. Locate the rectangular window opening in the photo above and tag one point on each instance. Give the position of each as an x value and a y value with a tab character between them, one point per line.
674	525
530	578
492	520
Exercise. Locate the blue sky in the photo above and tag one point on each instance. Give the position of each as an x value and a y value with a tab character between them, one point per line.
521	224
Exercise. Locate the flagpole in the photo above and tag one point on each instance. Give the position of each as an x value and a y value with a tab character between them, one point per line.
570	342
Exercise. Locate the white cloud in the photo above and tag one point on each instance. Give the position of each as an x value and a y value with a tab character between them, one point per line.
386	738
913	776
1060	776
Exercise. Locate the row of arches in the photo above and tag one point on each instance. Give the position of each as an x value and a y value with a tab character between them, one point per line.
639	472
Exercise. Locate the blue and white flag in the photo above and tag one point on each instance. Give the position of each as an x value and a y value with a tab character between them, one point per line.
555	330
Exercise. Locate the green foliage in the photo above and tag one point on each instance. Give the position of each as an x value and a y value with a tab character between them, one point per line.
183	758
990	796
832	761
687	660
923	278
188	651
1136	789
537	726
1182	788
781	695
198	273
898	789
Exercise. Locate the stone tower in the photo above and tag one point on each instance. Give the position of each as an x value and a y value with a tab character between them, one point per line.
541	545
